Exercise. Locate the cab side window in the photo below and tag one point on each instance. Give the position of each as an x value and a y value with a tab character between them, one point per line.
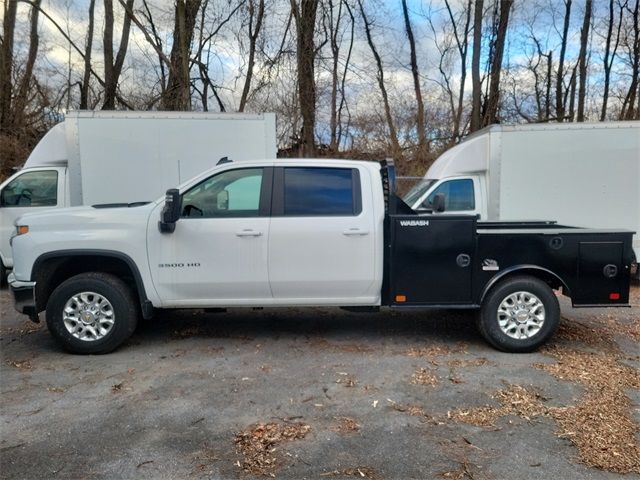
313	191
458	195
31	189
234	193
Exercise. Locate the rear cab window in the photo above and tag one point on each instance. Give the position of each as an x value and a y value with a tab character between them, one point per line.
317	191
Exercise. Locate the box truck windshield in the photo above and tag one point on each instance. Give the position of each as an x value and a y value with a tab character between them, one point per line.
418	191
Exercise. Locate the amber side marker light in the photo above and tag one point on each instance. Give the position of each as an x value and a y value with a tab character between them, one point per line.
401	298
614	296
22	229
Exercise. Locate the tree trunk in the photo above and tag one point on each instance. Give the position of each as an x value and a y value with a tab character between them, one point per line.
178	93
334	30
27	77
560	107
84	88
423	147
113	69
396	151
582	59
476	85
254	32
6	64
493	100
629	110
304	15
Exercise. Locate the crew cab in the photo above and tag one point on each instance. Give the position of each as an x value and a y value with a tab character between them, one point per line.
304	232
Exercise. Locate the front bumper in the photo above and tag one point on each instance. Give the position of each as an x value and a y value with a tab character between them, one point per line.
24	296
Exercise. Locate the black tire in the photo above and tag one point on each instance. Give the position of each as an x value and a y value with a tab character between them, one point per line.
488	323
125	312
3	275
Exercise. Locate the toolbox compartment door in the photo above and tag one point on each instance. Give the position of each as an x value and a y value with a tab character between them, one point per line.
431	259
602	278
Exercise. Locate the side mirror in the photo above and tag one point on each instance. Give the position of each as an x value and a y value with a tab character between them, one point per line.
171	211
438	202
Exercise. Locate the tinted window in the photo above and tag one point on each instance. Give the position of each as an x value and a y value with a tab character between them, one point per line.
458	195
32	189
321	191
234	193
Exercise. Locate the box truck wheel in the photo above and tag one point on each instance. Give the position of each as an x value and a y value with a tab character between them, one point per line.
92	313
519	314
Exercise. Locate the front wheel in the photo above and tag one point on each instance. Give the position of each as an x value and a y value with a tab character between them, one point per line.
92	313
519	314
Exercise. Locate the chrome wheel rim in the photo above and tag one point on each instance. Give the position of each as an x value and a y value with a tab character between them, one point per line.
88	316
521	315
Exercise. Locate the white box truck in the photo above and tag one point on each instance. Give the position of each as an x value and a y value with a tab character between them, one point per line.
122	157
574	173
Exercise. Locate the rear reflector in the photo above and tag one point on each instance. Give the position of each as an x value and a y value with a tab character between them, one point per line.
614	296
401	298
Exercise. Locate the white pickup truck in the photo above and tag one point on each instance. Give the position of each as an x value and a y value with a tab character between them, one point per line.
303	232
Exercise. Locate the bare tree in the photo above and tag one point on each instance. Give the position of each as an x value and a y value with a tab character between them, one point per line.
560	101
610	52
6	63
476	85
178	92
256	15
582	59
304	15
84	87
396	151
22	98
493	99
629	110
113	69
420	118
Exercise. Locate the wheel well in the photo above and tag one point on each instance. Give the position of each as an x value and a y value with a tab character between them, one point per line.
51	272
546	276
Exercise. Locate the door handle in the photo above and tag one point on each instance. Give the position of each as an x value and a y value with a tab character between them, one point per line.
247	232
352	232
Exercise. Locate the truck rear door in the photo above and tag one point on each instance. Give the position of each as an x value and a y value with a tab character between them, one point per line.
322	240
431	259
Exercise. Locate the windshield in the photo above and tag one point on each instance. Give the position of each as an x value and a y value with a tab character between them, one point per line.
418	191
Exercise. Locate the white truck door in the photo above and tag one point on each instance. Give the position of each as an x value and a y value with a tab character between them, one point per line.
28	191
217	254
322	238
462	195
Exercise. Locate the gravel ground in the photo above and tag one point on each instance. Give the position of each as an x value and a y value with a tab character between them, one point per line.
372	396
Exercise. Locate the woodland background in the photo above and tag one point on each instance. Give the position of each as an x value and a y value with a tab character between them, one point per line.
346	78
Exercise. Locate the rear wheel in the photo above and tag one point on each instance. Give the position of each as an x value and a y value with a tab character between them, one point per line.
519	314
92	313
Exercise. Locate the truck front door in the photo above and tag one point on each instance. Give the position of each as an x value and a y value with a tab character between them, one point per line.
218	251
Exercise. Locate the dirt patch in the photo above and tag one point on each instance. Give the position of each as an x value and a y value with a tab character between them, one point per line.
258	445
20	364
601	425
345	425
516	400
413	410
437	349
424	376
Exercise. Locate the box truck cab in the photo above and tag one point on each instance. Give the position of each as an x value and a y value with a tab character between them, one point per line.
575	173
123	157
